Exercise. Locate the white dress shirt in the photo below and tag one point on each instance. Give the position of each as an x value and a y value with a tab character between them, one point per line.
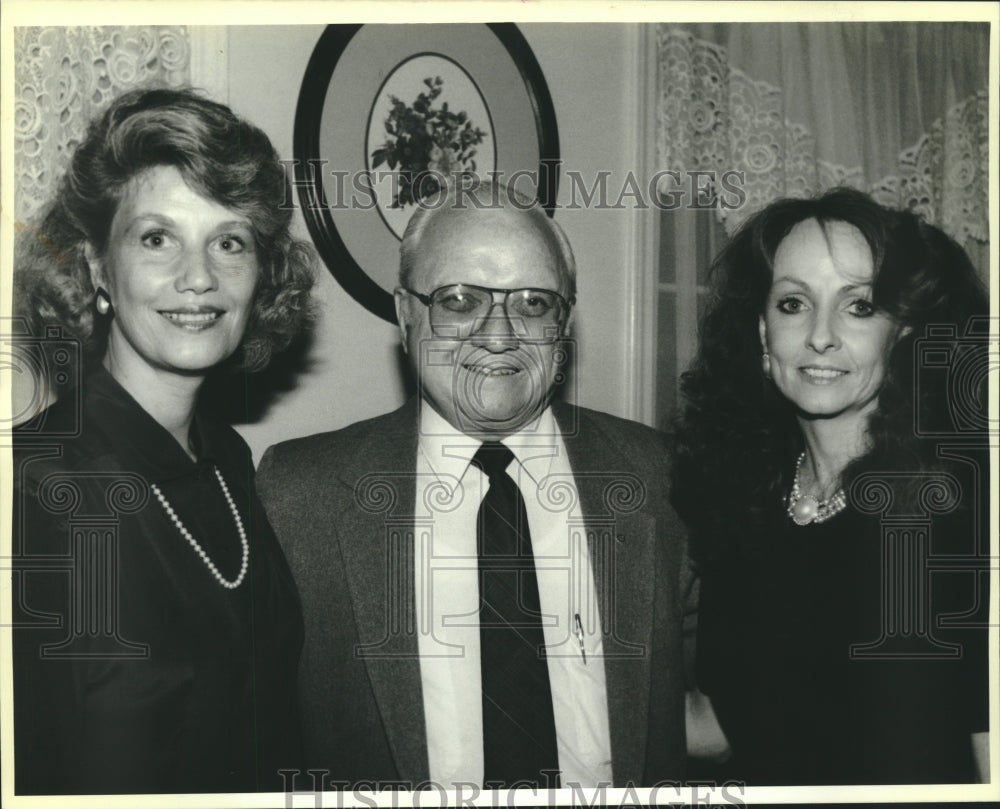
448	494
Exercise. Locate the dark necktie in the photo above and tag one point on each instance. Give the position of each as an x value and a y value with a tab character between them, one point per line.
519	735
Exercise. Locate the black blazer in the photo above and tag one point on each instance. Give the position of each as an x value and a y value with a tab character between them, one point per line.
134	669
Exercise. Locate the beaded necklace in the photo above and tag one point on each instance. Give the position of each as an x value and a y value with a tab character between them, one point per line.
805	509
229	585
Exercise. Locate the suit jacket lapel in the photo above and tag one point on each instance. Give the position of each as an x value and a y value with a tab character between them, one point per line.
620	538
377	545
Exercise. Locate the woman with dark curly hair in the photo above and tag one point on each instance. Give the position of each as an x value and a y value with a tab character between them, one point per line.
825	463
159	630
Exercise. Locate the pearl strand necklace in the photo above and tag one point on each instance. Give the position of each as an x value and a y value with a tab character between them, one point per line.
229	585
805	509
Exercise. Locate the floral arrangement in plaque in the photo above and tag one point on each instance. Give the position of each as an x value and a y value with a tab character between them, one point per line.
425	142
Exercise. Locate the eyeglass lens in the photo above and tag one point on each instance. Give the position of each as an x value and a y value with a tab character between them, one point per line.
459	309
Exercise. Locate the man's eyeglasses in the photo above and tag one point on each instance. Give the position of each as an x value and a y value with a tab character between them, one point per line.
458	310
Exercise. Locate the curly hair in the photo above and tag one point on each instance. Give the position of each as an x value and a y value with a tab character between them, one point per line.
735	436
220	156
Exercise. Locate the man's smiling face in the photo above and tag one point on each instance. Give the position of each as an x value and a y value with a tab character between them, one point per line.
491	383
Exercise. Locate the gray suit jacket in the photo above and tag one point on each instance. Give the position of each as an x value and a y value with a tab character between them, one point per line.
342	504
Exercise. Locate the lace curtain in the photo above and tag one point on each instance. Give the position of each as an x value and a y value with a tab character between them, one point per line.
65	77
896	109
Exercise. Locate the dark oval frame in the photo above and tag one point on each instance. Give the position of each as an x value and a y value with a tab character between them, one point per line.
306	144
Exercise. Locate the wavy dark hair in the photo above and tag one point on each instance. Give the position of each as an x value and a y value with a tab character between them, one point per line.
219	155
735	436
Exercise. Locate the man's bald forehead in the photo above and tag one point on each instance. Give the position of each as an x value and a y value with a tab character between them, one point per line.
486	210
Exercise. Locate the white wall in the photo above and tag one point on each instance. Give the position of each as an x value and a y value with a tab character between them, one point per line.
356	372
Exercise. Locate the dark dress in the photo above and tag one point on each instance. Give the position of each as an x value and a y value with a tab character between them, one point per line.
135	670
776	629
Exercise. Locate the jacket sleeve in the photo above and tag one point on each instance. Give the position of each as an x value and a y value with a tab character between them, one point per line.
50	691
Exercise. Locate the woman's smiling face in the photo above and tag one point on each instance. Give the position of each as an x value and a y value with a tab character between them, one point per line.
181	271
828	344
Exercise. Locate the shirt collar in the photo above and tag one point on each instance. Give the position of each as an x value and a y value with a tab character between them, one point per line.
446	449
537	446
449	451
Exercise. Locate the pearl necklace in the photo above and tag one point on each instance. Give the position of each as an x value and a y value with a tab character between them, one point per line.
229	585
805	509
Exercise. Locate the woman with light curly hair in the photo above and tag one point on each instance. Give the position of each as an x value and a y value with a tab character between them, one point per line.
160	642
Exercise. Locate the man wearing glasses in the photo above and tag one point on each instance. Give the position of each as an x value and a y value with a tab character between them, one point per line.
490	579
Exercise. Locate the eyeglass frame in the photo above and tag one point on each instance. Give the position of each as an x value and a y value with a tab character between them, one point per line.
427	299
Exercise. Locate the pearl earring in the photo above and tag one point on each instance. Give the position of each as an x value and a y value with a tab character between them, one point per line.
766	363
102	301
